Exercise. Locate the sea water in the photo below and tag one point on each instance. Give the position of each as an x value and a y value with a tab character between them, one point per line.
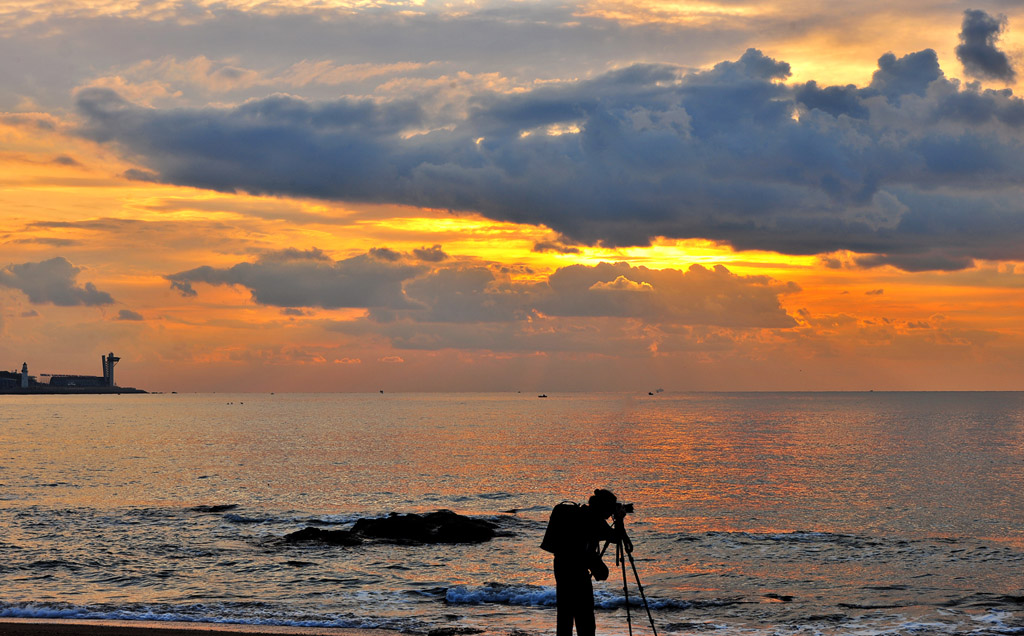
755	513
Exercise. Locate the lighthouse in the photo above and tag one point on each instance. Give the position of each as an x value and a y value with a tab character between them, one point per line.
24	375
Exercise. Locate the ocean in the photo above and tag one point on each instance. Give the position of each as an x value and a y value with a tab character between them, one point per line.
755	513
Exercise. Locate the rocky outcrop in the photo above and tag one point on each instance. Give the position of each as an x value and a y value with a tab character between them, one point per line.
214	509
319	535
443	526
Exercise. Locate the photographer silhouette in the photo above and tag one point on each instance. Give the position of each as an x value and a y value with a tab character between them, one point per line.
574	535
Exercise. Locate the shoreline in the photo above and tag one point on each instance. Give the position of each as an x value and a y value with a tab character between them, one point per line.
103	627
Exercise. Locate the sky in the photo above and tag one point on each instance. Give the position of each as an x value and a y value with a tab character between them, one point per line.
348	195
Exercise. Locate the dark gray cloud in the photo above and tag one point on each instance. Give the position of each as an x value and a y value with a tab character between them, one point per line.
977	50
554	246
128	314
698	296
296	278
731	154
465	295
612	307
433	254
52	281
907	75
385	254
479	297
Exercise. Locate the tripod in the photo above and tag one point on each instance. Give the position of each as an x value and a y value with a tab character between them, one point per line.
624	550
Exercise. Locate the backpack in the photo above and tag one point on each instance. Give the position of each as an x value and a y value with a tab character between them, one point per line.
562	533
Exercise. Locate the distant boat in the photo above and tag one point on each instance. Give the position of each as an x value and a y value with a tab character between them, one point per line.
542	395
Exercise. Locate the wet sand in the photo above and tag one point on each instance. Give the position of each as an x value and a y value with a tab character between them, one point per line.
58	627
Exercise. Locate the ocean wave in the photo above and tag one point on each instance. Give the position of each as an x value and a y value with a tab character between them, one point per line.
501	594
613	600
329	520
51	564
233	515
796	536
496	495
544	596
543	508
235	518
244	614
42	611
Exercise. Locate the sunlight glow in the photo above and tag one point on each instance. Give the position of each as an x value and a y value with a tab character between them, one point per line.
671	11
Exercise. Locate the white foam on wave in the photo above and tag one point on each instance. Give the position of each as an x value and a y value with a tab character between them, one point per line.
34	611
999	621
497	593
534	595
613	600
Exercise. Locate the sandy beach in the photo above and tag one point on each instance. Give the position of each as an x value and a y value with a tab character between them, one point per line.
58	627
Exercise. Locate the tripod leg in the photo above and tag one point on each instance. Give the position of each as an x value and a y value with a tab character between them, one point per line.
619	558
640	587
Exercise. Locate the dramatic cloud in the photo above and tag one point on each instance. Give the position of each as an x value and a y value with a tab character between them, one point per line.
294	278
52	281
913	170
698	296
978	52
477	306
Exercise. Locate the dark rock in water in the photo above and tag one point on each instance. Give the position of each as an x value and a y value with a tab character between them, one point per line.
443	526
831	618
319	535
216	508
782	598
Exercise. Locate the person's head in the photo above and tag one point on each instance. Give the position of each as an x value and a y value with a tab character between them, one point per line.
603	503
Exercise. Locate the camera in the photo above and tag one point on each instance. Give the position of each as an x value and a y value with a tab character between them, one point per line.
623	509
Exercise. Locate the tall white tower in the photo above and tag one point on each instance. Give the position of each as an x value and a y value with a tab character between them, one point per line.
24	375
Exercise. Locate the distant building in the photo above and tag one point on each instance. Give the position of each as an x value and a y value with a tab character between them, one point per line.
9	379
14	382
77	380
18	379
